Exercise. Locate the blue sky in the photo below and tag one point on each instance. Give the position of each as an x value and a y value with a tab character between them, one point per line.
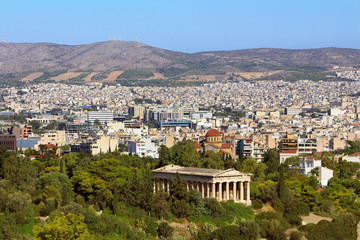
185	25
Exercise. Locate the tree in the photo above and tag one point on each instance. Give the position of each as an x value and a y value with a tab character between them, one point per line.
97	122
122	147
271	159
65	227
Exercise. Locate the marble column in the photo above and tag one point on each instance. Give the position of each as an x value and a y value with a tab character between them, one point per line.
241	191
227	190
248	191
234	191
154	184
207	190
220	191
168	185
213	190
201	184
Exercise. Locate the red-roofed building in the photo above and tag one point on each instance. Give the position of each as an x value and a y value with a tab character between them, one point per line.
214	142
287	154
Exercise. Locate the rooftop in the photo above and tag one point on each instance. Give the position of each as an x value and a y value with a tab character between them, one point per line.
198	171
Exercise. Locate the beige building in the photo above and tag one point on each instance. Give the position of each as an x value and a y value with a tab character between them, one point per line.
212	183
58	138
104	144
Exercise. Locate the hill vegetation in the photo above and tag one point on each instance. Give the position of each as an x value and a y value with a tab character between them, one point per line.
140	61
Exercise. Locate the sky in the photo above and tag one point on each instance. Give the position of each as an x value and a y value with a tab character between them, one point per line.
185	25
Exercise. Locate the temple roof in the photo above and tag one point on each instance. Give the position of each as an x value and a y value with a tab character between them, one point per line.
174	169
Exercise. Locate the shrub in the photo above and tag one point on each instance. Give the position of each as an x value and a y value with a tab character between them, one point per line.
165	230
257	203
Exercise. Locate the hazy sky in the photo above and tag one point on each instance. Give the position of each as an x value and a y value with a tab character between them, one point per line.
185	25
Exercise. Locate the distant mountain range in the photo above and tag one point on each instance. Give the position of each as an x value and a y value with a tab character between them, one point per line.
106	57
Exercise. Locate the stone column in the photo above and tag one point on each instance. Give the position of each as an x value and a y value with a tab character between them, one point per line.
213	190
207	190
187	185
234	191
154	185
248	191
241	191
168	185
163	184
220	191
202	189
227	190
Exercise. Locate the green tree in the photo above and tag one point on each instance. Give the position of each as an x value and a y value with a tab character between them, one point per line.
65	227
271	159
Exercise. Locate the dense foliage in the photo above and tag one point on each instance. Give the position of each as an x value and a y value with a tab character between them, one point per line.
110	196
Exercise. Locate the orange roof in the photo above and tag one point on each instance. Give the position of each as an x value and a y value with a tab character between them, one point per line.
294	151
213	133
315	159
214	146
226	145
51	146
318	153
320	190
198	145
357	154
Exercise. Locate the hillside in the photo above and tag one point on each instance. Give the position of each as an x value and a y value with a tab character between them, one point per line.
107	57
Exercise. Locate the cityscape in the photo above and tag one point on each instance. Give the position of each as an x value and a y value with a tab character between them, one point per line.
225	133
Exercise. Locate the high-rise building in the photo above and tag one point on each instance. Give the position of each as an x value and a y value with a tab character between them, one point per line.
102	116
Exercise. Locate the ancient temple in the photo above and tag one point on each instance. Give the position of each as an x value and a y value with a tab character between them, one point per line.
212	183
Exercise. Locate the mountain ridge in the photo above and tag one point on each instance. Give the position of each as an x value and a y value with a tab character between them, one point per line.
123	55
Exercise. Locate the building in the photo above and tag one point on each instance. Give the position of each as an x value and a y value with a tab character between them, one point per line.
325	175
214	142
102	116
308	163
201	115
245	147
355	158
288	144
222	185
58	138
8	142
293	111
104	144
287	154
137	111
144	147
306	146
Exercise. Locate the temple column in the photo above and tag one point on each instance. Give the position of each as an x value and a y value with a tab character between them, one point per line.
168	185
220	191
248	191
202	189
227	191
154	185
187	185
213	189
207	190
234	191
241	191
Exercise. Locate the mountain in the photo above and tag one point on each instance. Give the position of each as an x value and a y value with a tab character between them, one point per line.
120	55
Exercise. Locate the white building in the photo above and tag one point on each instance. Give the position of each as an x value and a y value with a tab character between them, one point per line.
355	158
324	175
101	116
144	147
309	163
287	154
